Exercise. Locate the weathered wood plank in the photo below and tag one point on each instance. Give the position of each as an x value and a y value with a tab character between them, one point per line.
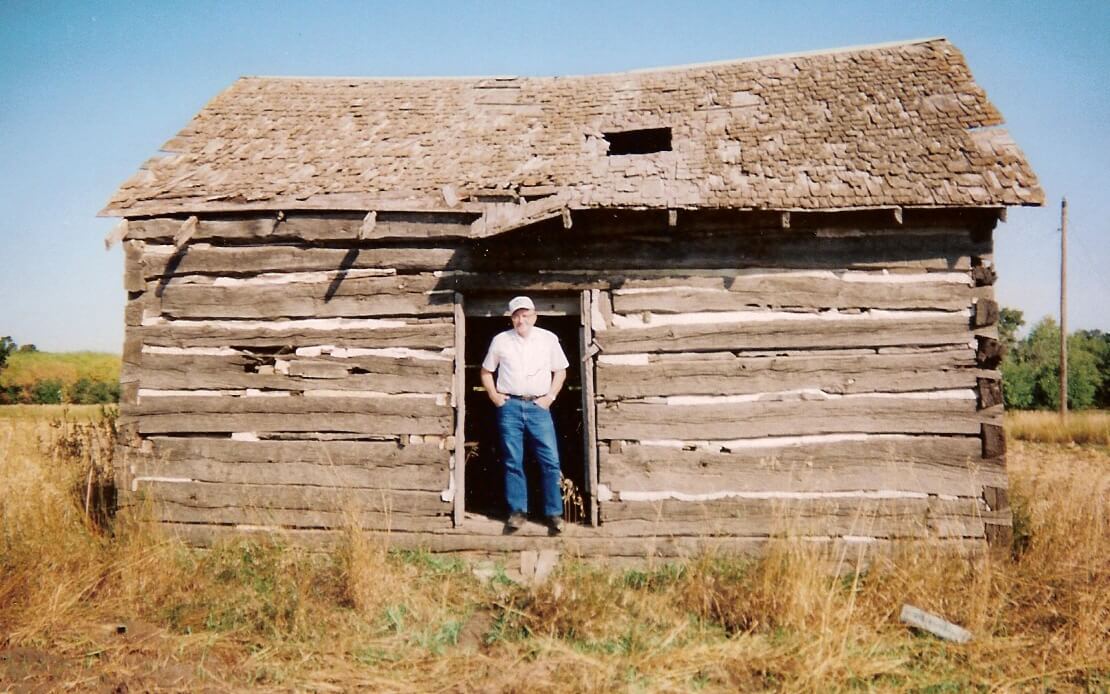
400	295
386	406
209	495
366	476
376	454
335	226
417	335
876	415
933	624
297	518
466	540
161	261
850	373
986	313
376	425
990	392
369	415
378	374
807	333
794	290
945	249
458	395
132	266
929	464
887	518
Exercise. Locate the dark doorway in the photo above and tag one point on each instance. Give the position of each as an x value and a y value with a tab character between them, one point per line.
485	488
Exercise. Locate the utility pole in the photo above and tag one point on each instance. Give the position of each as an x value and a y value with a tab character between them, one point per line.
1063	308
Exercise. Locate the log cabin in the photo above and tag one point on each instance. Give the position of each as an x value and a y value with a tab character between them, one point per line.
774	277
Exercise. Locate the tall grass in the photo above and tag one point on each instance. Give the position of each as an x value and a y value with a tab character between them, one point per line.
267	614
1083	427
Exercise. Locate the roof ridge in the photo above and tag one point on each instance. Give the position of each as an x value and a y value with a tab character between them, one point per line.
637	71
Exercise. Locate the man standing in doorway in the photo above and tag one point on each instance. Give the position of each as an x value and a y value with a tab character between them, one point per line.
531	368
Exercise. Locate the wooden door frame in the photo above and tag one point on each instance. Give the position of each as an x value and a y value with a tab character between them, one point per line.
458	396
586	354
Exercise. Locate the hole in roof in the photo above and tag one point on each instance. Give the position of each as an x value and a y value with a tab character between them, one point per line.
644	141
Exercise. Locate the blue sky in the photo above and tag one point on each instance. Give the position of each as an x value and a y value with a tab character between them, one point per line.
88	91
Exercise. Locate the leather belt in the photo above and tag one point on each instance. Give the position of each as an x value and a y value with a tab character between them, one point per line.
525	398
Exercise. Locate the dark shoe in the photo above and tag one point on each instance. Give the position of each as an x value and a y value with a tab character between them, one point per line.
556	524
516	521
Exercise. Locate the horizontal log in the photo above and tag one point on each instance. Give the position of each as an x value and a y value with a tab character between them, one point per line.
876	415
806	333
297	462
950	465
843	554
986	313
416	335
994	441
377	374
400	295
886	518
371	415
376	454
990	352
297	518
164	261
293	405
940	249
400	477
795	290
374	425
983	275
207	495
335	226
990	392
849	373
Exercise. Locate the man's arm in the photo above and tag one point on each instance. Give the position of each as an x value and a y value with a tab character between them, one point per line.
558	378
491	390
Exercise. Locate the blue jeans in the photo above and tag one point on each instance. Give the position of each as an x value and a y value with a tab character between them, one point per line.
525	424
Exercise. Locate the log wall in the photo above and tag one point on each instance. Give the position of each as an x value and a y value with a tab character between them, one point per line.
834	381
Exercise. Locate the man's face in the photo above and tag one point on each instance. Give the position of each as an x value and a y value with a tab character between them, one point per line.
523	320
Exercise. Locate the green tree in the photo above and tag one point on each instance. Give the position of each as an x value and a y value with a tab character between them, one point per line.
1098	343
86	391
1010	321
1037	358
7	346
1018	384
47	392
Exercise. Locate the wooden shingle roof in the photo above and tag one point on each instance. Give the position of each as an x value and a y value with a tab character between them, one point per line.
892	125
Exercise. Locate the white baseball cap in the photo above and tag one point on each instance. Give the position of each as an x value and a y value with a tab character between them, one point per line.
519	302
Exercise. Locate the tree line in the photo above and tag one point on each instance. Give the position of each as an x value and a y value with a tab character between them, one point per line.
1031	367
50	389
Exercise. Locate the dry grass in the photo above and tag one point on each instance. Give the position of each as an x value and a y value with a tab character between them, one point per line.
272	616
1084	427
68	413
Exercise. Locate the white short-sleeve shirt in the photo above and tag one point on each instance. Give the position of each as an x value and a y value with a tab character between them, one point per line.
524	365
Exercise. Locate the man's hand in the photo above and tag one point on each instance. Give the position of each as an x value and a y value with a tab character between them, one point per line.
498	399
545	401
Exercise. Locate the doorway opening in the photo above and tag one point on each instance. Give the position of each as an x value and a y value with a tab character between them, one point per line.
485	485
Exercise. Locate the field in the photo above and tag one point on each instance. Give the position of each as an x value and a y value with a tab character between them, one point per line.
25	368
88	604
